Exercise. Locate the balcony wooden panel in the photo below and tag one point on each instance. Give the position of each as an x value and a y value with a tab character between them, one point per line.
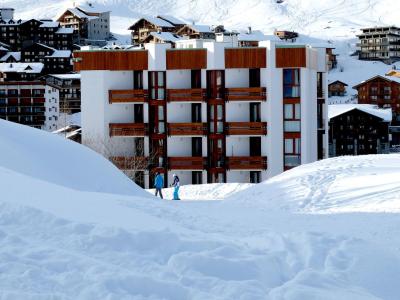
128	129
181	59
291	57
245	58
247	163
137	163
246	94
186	95
112	60
187	129
246	128
186	163
127	96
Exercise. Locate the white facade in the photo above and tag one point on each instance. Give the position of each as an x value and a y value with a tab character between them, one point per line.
99	27
98	112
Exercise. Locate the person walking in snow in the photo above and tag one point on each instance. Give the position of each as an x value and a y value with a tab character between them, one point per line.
158	184
176	186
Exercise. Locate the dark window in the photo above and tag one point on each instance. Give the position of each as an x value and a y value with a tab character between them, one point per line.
255	112
196	79
197	177
196	112
254	78
137	80
255	146
138	111
291	83
197	145
255	176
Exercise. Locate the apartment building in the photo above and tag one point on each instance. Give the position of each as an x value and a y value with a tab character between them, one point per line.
30	103
212	114
69	89
380	43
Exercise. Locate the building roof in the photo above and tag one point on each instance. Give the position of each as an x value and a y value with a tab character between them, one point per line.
66	76
48	24
171	19
64	30
16	55
156	21
60	54
257	36
335	110
80	14
166	36
200	28
387	78
91	9
21	67
338	81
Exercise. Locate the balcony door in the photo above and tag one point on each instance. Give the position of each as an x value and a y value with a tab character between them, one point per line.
216	84
255	112
138	113
255	146
254	78
137	80
197	147
196	113
196	79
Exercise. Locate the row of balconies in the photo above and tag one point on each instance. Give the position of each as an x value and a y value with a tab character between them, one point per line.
191	163
188	95
188	129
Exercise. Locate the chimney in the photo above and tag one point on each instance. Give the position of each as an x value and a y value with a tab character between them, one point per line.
249	30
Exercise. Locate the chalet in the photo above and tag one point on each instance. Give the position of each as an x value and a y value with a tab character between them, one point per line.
284	35
55	61
89	25
196	32
357	129
69	91
178	24
163	37
382	91
20	71
337	88
146	25
11	57
332	58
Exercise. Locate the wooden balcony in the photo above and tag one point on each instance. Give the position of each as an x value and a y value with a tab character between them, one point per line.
246	94
136	163
128	129
187	163
246	128
247	163
127	96
187	129
186	95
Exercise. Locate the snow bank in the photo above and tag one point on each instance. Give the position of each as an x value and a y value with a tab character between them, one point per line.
54	159
368	183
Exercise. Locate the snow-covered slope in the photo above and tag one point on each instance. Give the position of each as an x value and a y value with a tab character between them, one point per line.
326	19
54	159
63	240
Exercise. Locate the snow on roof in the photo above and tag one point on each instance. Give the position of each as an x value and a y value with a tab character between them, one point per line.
166	36
156	21
48	24
21	67
335	110
257	36
61	54
16	55
91	9
81	14
3	49
66	76
200	28
63	30
171	19
388	78
338	81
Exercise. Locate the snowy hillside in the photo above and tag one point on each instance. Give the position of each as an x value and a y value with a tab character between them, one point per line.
325	19
67	237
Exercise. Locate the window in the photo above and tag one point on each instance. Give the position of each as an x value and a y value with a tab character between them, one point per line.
292	116
292	152
254	78
291	83
255	176
138	80
196	79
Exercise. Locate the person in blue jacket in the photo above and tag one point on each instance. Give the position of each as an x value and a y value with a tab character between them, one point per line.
176	186
158	184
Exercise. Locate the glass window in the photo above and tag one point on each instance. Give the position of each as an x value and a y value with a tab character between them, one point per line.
288	145
297	110
288	111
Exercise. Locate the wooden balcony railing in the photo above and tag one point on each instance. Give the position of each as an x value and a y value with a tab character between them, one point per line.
186	95
187	163
246	94
127	96
182	129
136	163
247	162
128	129
246	128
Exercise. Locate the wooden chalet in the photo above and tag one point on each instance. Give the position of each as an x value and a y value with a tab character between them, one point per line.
337	88
144	26
197	32
163	37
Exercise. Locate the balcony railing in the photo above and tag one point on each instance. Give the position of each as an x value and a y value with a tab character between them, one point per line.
247	163
182	129
128	129
136	163
187	163
127	96
246	128
186	95
246	94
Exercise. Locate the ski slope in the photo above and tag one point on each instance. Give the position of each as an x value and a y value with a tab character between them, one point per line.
327	230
